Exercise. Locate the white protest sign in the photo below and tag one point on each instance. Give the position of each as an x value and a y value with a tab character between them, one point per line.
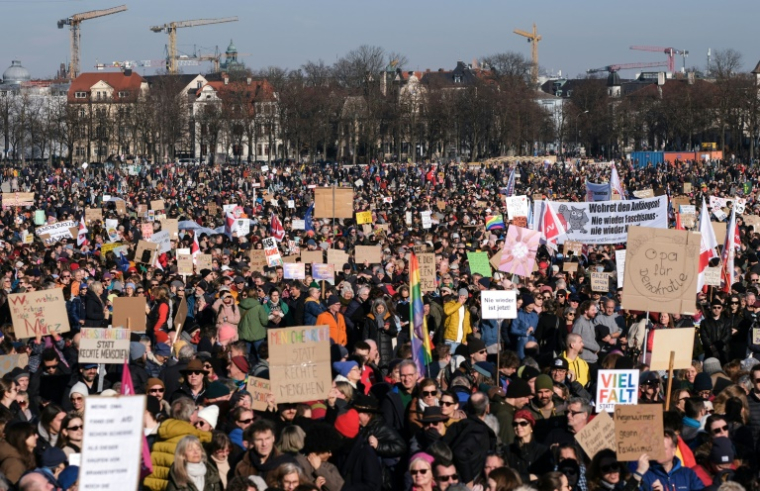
620	264
57	231
112	445
427	221
291	203
517	206
298	224
408	217
104	345
616	387
499	304
163	239
272	252
718	203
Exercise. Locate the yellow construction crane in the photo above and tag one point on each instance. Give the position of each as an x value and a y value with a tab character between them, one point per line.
74	22
533	38
172	27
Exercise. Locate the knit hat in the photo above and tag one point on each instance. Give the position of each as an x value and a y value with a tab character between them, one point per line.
722	451
136	350
343	367
154	381
227	332
527	300
52	457
209	414
332	300
543	381
424	456
347	423
526	415
518	388
711	366
702	382
216	390
79	388
528	372
68	476
484	368
475	345
162	349
241	363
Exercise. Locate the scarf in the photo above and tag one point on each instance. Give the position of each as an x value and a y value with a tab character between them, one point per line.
197	473
223	465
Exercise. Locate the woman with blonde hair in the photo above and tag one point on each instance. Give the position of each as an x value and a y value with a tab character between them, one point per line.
287	476
96	312
191	470
291	439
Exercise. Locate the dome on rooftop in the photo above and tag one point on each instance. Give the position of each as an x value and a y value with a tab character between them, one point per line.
16	74
231	48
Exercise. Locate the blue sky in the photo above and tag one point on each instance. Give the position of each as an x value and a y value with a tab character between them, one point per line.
432	34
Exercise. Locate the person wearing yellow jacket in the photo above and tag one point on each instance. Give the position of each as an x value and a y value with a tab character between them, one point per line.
456	325
170	433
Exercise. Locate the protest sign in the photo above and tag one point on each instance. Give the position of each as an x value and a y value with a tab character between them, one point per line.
259	388
479	263
181	315
572	247
146	253
9	362
499	304
427	271
129	312
213	209
520	222
620	266
113	441
258	260
569	267
185	264
441	204
661	270
309	257
92	214
39	217
298	224
333	202
42	312
719	229
368	254
57	231
738	203
607	222
639	430
752	221
687	187
495	260
299	360
600	282
157	205
337	257
598	435
616	387
755	335
644	193
519	251
323	272
712	276
146	230
171	225
272	252
164	241
517	206
598	191
18	199
427	221
679	340
294	271
289	259
680	201
363	217
121	207
109	346
203	261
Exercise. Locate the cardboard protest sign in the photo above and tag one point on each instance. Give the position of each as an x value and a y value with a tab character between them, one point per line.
687	187
203	261
213	209
620	266
93	214
600	282
157	205
18	199
323	272
110	346
572	247
42	312
289	259
519	251
121	207
9	362
680	340
755	335
259	388
258	260
368	254
171	225
712	276
616	387
752	221
363	217
113	433
661	270
598	435
309	257
299	361
719	228
337	258
441	204
499	304
129	313
333	202
495	260
294	271
181	315
479	263
147	230
185	264
426	263
146	253
569	267
639	430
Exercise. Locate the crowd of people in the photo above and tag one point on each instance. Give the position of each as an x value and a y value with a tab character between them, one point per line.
498	408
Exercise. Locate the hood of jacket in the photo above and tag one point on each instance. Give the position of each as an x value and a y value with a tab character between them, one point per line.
248	303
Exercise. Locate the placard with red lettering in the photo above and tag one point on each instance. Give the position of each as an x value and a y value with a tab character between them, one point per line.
299	363
615	387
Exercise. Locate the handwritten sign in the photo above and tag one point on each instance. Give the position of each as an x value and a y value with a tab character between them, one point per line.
368	254
203	261
616	387
687	187
272	252
568	267
427	272
258	260
157	205
600	282
639	430
499	304
309	257
185	264
259	388
110	346
517	206
299	360
337	258
572	247
181	315
147	230
479	263
597	435
93	214
129	312
294	271
323	272
18	199
661	270
38	313
755	335
363	217
712	276
171	225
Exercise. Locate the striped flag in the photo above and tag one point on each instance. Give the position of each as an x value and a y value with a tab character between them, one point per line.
729	251
276	229
82	235
511	184
422	350
494	221
707	245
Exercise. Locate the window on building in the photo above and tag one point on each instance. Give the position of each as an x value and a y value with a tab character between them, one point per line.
82	113
100	95
80	95
457	79
123	94
199	84
79	151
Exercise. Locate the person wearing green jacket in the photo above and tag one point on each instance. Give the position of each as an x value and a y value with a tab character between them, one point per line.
253	321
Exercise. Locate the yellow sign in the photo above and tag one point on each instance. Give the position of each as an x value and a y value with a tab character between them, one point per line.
363	217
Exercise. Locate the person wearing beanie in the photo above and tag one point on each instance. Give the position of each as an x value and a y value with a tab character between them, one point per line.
715	333
546	406
207	418
76	395
703	386
518	394
238	369
137	368
524	327
347	371
335	320
526	456
456	323
52	462
321	440
476	348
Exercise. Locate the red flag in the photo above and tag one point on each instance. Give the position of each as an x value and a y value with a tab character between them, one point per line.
679	225
276	229
551	227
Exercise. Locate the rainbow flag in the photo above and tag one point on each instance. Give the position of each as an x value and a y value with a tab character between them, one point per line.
422	352
494	222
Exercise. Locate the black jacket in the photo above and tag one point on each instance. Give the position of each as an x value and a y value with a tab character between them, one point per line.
533	458
389	442
359	466
383	337
715	336
93	310
470	441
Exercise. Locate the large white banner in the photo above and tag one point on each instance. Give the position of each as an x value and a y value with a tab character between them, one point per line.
606	222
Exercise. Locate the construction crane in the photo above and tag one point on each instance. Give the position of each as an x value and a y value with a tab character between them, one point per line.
172	27
625	66
533	38
216	58
670	52
74	22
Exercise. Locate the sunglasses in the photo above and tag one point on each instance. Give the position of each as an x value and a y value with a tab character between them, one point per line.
414	472
723	428
429	393
574	413
520	423
156	391
51	367
447	403
74	399
196	372
450	477
611	468
734	303
245	421
75	428
570	314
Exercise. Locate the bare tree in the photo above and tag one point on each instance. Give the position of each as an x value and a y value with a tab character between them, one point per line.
508	65
359	66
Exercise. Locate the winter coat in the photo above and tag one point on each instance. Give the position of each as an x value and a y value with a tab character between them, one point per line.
270	307
360	466
212	481
326	470
170	433
470	441
253	320
679	478
312	309
12	464
226	314
337	326
93	306
531	458
251	465
383	337
585	328
715	335
390	445
451	322
489	331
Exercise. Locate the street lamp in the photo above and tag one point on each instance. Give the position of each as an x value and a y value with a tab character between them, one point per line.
577	131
